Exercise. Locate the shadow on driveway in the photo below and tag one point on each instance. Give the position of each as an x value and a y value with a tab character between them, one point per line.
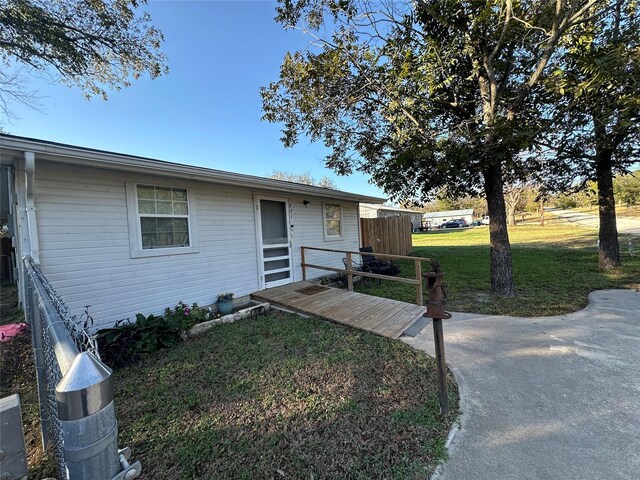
546	397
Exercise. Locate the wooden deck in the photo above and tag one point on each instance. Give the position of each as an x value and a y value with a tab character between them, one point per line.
382	316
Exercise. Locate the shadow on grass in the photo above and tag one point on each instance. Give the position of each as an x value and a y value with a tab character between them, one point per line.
549	280
284	396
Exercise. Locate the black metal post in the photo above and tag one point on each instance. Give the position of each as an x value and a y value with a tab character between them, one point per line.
435	310
442	365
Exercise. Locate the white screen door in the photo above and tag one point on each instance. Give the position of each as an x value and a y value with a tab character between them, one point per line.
274	242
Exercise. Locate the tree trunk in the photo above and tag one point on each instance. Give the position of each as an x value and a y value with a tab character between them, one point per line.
511	216
501	263
609	250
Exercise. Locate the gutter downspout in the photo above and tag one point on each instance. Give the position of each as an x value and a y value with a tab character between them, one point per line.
30	205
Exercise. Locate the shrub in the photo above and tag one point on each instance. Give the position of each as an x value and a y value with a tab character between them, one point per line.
187	316
125	342
117	345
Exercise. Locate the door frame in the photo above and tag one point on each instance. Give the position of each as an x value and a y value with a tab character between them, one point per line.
260	247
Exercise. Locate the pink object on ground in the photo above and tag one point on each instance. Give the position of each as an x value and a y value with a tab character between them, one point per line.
7	332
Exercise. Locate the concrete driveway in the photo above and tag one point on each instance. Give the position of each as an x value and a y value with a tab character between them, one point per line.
630	226
546	397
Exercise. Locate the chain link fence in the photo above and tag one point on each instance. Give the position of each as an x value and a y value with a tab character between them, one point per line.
74	387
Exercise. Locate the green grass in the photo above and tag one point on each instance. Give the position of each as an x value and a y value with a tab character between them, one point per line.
284	393
554	267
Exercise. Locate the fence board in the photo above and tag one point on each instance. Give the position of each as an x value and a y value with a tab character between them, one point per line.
390	235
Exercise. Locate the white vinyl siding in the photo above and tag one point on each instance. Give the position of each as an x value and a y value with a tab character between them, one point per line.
85	242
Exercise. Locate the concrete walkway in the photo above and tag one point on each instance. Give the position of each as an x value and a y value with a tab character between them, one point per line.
546	397
630	226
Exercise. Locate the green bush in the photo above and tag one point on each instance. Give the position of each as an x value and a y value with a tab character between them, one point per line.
126	341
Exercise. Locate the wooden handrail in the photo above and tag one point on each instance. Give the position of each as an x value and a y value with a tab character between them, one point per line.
417	281
375	254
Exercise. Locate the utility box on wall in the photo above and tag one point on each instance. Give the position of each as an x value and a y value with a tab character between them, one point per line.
13	455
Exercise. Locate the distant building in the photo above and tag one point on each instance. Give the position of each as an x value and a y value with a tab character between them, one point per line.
435	219
370	210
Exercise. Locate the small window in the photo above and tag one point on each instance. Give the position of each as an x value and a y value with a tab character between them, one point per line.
332	221
161	220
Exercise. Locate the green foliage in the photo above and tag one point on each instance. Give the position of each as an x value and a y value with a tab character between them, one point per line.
304	178
428	97
565	201
186	316
224	297
94	45
627	188
125	342
157	332
593	99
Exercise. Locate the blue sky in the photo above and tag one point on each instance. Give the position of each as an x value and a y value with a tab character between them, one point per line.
206	111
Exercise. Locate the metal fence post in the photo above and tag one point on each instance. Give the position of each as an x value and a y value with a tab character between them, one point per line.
75	389
34	321
89	426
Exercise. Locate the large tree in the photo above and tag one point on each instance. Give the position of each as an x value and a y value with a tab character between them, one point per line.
95	45
425	95
597	109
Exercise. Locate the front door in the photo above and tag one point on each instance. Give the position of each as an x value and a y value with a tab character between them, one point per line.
273	241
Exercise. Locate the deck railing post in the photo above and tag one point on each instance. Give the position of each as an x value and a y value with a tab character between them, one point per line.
349	273
419	285
304	268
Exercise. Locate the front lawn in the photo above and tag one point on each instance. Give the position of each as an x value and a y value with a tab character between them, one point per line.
284	397
555	268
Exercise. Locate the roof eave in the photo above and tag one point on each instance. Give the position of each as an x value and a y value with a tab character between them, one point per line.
74	155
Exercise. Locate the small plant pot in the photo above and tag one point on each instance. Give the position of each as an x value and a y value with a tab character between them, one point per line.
225	308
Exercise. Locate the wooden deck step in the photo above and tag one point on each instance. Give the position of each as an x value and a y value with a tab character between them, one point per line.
382	316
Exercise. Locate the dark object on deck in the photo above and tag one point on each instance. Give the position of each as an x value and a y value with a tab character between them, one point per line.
372	264
435	310
312	289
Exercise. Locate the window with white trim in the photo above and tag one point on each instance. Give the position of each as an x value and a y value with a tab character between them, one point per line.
160	220
332	221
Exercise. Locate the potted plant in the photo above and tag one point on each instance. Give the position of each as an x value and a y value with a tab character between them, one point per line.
225	303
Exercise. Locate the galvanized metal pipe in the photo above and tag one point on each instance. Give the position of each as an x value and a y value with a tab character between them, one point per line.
35	323
84	397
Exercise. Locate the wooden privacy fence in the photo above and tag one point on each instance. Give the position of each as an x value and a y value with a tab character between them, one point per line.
391	235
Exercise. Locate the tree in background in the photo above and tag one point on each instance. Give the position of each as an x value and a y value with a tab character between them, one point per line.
90	44
304	178
627	188
425	95
597	109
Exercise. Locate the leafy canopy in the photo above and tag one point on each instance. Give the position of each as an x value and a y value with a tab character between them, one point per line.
422	95
596	94
95	45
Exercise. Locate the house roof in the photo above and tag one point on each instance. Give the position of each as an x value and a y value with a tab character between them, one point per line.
448	213
12	147
388	208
